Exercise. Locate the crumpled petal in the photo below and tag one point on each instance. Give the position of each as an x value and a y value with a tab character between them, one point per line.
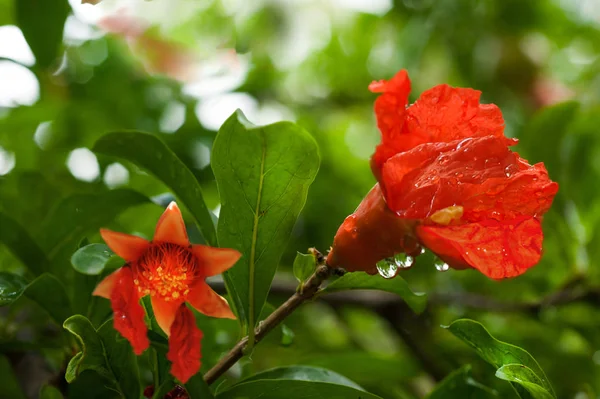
128	313
184	345
481	174
369	235
213	260
498	249
171	227
205	300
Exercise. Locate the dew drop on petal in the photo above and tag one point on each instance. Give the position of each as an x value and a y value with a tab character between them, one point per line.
387	268
403	261
440	265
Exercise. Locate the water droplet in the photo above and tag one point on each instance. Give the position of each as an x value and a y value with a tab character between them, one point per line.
463	142
440	265
403	261
443	159
422	251
387	268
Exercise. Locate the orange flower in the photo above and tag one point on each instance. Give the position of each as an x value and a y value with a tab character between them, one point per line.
172	272
448	181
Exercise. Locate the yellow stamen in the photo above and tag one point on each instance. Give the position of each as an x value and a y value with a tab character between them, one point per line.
447	215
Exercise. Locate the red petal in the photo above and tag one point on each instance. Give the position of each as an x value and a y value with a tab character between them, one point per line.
171	228
105	288
184	345
369	235
215	261
390	109
480	174
126	246
208	302
165	311
128	313
497	249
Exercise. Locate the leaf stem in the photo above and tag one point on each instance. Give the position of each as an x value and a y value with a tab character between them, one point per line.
310	288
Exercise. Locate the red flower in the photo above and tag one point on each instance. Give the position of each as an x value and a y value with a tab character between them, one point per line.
448	178
172	272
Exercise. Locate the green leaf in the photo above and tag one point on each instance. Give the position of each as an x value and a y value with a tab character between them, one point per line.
287	335
92	355
363	281
94	258
8	381
263	175
304	266
150	153
20	243
304	373
500	354
460	384
50	392
11	287
293	389
42	23
81	213
524	376
197	388
46	290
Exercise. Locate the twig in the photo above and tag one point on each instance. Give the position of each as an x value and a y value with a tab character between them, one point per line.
309	289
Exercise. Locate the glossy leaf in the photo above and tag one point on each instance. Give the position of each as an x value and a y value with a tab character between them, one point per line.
81	213
263	175
150	153
8	381
500	354
93	259
11	287
363	281
304	373
293	389
524	376
460	384
20	243
92	355
42	23
50	392
197	388
304	266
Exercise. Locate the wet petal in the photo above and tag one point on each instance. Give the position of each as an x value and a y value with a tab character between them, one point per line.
128	313
497	249
208	302
213	260
184	345
126	246
171	228
165	311
369	235
105	288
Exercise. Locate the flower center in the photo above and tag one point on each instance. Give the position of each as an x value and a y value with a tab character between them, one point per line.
166	270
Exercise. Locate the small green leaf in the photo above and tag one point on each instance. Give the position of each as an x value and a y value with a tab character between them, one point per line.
460	384
304	373
525	377
293	389
46	290
287	335
20	243
363	281
8	381
197	388
150	153
263	175
500	354
81	213
92	355
94	258
304	266
50	392
42	23
11	287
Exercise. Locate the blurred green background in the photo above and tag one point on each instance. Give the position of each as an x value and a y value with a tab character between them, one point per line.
310	61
